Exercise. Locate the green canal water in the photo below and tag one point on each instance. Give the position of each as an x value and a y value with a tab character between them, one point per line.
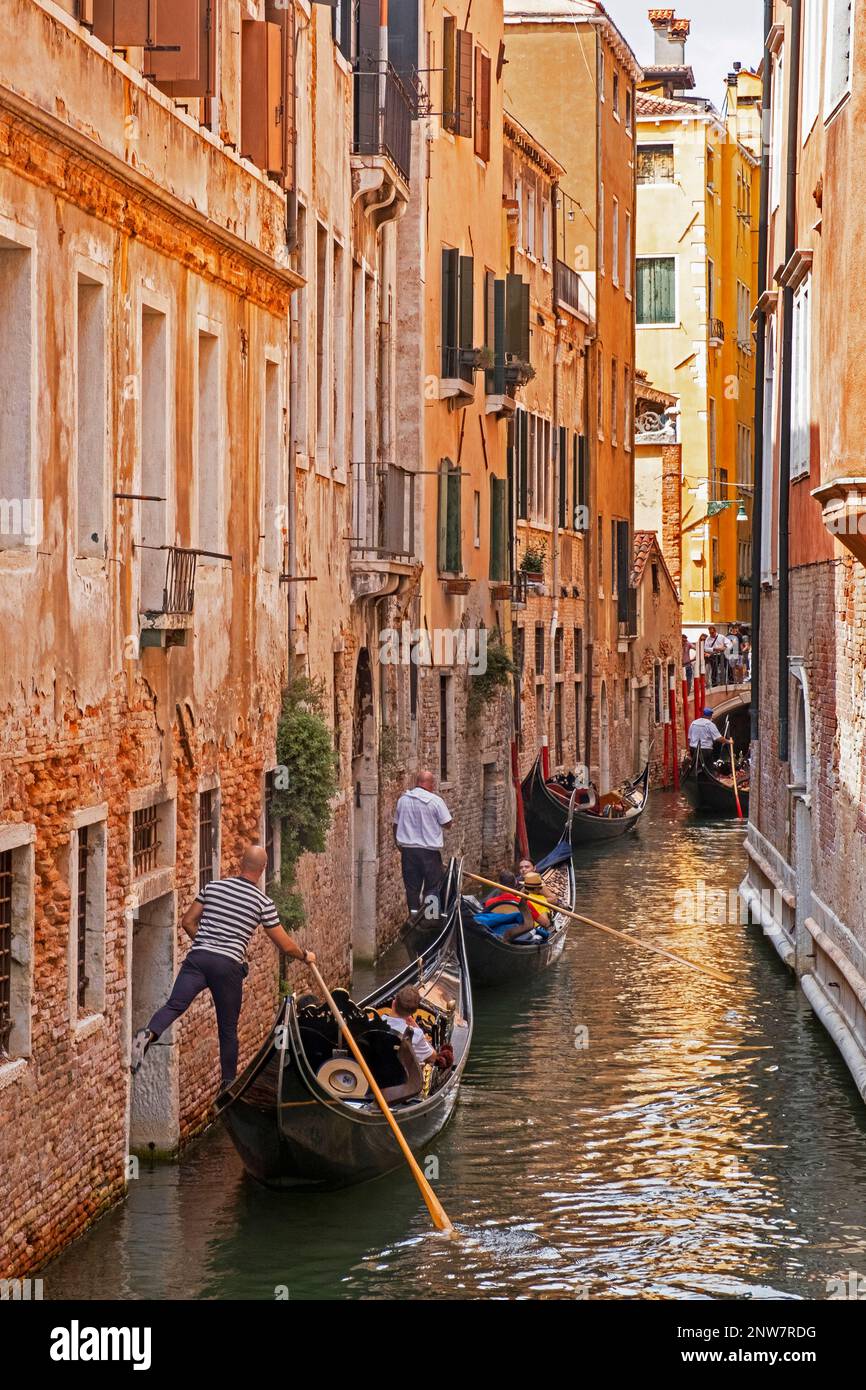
705	1142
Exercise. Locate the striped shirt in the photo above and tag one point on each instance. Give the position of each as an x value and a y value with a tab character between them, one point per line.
233	908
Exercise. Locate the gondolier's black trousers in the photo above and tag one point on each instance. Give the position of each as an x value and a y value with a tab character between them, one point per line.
422	874
224	978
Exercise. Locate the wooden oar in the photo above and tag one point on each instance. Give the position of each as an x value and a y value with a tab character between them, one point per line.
612	931
434	1206
734	775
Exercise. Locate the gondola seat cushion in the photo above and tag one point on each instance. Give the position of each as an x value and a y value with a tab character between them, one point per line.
377	1042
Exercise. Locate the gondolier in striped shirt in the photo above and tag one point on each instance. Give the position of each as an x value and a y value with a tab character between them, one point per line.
221	922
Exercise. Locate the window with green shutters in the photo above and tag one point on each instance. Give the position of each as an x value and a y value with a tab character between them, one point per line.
656	290
449	548
498	529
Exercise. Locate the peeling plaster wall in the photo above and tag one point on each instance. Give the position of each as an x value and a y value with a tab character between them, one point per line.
169	217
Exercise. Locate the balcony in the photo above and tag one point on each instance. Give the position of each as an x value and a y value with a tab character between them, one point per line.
382	542
457	382
382	142
573	292
165	623
519	589
716	333
627	617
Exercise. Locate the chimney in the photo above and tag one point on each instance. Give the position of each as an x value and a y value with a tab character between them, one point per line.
670	38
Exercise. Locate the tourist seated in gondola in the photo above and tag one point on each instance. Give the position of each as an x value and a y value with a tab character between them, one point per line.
402	1020
510	917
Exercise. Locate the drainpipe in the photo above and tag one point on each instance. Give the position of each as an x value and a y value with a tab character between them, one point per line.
554	420
787	341
760	369
292	196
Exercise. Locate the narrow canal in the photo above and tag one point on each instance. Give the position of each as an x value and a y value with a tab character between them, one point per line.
702	1140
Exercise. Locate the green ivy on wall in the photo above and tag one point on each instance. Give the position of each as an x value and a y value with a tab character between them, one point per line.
306	787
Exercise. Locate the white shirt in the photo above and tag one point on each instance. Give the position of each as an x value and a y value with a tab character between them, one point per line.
420	1044
419	818
714	644
703	732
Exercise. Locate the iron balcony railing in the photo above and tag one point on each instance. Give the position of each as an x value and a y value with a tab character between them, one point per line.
383	511
572	291
383	115
717	331
178	595
519	588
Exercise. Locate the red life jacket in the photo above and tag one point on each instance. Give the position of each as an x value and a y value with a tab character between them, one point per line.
512	900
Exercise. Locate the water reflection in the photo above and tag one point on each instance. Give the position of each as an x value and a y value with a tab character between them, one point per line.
707	1143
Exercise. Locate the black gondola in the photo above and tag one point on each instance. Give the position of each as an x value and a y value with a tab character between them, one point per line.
288	1113
550	805
706	778
496	962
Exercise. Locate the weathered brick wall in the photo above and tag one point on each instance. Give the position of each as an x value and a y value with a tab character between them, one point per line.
64	1118
671	538
828	630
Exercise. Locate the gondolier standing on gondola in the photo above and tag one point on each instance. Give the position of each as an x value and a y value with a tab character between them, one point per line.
221	921
419	820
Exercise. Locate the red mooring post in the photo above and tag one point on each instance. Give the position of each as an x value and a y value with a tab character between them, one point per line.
522	837
545	758
685	713
699	677
675	763
667	745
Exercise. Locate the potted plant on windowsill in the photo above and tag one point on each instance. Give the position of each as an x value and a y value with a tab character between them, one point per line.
500	589
532	562
518	372
457	583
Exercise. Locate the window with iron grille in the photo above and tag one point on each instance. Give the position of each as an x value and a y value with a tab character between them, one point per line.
539	649
145	839
206	837
5	950
81	918
559	650
578	651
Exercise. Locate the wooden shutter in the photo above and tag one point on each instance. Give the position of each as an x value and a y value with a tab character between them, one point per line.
261	94
125	23
498	531
467	311
454	556
449	520
284	17
449	61
464	82
188	28
367	78
84	12
582	478
623	569
499	337
442	517
563	477
482	105
450	299
513	311
523	465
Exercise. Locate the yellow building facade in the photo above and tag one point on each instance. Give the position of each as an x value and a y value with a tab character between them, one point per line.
570	79
696	278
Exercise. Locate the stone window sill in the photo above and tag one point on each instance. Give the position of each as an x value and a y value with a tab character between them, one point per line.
10	1071
85	1027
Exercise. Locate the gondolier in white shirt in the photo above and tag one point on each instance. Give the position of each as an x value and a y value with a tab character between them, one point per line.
419	821
704	734
221	922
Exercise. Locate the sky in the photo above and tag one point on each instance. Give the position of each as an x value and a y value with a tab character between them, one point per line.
723	32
